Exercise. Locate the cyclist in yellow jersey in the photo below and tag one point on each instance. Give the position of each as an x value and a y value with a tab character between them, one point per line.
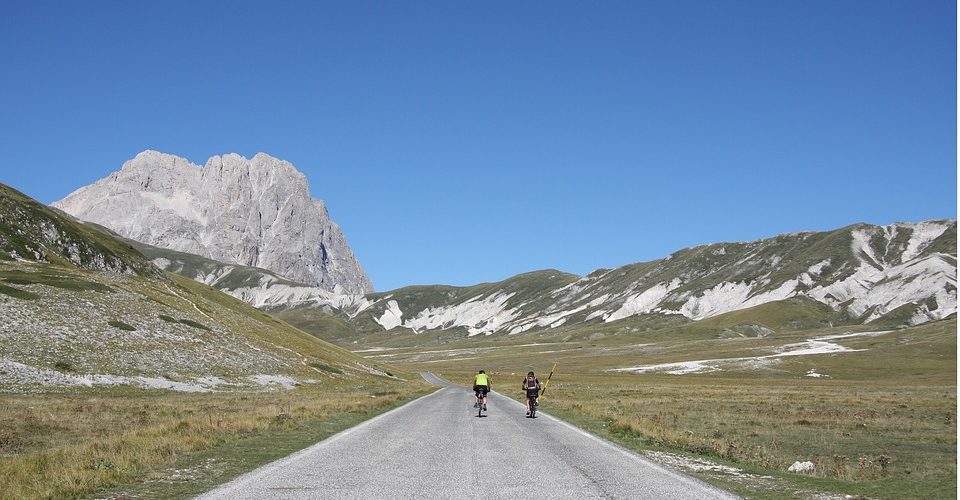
481	386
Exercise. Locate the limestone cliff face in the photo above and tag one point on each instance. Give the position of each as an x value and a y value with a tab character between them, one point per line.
254	212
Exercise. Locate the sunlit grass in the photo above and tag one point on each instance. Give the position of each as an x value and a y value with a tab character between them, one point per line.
63	446
874	440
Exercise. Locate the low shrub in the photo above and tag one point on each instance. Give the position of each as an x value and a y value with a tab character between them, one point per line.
121	325
320	366
64	366
194	324
18	293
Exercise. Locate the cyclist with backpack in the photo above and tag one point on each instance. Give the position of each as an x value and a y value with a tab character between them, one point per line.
481	386
532	386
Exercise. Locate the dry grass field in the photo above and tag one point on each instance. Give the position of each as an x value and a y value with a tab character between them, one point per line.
123	442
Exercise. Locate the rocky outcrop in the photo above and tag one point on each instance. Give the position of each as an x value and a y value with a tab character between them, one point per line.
253	212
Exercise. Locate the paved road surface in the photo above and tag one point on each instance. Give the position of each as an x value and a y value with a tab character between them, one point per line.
437	447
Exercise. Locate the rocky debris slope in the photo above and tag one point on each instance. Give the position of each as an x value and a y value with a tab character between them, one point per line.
252	212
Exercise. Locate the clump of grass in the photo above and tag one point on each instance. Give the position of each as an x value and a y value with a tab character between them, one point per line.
840	466
121	325
871	467
284	420
10	443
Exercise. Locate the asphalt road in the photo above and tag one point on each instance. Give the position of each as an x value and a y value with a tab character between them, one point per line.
437	447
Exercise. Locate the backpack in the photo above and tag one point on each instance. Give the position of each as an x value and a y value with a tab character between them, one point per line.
531	385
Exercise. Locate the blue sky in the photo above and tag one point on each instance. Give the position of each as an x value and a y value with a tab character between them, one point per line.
462	142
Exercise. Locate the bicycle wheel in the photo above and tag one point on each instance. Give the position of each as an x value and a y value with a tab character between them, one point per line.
533	406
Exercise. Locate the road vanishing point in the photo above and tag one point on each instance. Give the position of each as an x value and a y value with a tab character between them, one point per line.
437	447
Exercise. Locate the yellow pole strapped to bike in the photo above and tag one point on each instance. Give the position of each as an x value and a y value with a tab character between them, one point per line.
547	383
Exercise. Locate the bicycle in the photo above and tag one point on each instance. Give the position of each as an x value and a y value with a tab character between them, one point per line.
481	394
532	404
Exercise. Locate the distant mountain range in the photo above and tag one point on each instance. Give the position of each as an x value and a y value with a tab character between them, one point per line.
899	274
252	212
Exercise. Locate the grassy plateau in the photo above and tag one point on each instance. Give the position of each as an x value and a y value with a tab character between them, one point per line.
876	421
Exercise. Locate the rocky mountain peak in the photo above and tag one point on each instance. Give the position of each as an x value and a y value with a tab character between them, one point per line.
150	161
254	212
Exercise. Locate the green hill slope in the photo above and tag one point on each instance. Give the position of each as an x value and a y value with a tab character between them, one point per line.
82	309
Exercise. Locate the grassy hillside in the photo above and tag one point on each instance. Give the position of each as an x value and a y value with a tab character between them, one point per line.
32	231
794	314
120	379
66	327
